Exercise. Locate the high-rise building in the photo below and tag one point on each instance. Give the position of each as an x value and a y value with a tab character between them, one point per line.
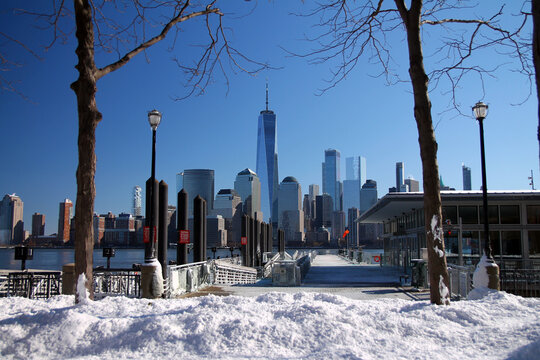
466	177
323	211
338	224
228	205
400	175
412	185
353	236
267	162
368	195
64	218
248	187
11	220
137	201
351	194
199	182
331	177
291	216
351	168
38	224
313	191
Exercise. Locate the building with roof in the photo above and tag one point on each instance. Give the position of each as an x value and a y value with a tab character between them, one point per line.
199	182
291	215
248	187
11	220
514	218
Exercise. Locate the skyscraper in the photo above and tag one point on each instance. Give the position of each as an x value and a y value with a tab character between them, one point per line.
11	220
248	186
64	220
267	162
351	168
351	194
466	177
313	191
137	201
291	216
399	175
38	224
331	177
368	195
412	185
199	182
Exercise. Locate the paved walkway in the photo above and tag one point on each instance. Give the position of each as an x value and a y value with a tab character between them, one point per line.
331	274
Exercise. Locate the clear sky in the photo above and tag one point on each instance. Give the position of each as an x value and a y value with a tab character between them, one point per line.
361	116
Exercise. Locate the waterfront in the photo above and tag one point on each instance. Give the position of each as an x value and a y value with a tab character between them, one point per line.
53	259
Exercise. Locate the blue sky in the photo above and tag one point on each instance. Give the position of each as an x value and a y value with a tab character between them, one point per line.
361	116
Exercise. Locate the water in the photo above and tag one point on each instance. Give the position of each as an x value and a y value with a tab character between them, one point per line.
53	259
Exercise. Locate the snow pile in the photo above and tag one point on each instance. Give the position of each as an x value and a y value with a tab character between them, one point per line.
271	326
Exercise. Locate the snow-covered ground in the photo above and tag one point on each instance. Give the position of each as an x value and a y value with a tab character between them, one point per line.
271	326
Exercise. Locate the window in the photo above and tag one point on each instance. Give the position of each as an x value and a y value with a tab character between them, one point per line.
533	214
493	214
470	243
468	214
450	213
495	238
511	242
509	214
534	243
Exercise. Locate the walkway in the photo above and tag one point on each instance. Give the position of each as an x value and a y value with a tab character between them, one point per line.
331	274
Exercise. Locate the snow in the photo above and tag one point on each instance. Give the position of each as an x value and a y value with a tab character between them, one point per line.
437	234
84	294
270	326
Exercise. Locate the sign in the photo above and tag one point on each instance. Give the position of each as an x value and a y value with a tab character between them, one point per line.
146	234
243	240
183	236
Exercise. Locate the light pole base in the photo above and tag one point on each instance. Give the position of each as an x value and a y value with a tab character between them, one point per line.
151	280
486	274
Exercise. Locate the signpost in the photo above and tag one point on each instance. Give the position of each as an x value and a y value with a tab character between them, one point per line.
146	234
183	236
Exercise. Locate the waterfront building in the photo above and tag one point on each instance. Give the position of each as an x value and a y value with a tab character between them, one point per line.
137	201
64	220
400	176
291	215
514	218
331	177
248	187
38	225
267	163
11	220
99	229
466	177
199	182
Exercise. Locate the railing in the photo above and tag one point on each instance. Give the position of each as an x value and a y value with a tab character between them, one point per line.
117	282
233	274
34	284
460	281
267	269
521	282
188	277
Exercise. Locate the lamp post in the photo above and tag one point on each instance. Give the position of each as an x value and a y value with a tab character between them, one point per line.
480	113
154	118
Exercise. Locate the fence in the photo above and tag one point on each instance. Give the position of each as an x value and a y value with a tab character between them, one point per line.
117	282
460	281
187	278
34	284
233	274
521	282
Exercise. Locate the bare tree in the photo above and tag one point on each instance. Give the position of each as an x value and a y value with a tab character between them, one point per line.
535	12
127	28
352	30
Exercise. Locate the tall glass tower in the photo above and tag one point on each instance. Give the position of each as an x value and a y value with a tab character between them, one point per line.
331	177
267	162
466	177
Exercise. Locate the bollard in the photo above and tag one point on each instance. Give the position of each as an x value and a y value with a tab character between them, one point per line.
182	224
162	224
199	229
151	222
243	240
68	279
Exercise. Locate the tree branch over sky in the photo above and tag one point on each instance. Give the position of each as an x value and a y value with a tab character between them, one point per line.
347	31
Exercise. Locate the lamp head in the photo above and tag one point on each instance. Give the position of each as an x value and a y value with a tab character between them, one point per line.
154	118
480	110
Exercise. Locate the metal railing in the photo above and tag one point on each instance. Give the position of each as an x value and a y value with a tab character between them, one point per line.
188	277
34	284
233	274
117	282
522	282
267	269
460	281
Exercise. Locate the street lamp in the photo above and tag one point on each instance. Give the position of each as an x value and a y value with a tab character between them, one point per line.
480	112
154	118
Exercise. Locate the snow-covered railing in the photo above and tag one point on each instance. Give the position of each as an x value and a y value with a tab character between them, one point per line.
460	280
188	277
267	269
34	284
233	274
117	282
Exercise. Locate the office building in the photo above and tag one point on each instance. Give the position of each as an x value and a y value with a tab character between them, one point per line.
338	226
356	169
400	176
137	201
313	191
64	220
11	220
38	225
368	195
324	208
228	205
353	226
248	187
99	229
351	194
216	234
331	177
199	182
466	177
412	185
267	162
291	215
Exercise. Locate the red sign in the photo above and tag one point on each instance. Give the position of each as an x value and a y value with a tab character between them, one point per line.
243	240
183	236
146	234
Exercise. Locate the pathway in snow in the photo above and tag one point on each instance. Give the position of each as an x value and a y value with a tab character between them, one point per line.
331	274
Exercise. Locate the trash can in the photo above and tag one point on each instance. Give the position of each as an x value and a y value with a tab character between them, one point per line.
419	273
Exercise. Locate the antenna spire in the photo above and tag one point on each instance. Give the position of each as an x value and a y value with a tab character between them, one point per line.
266	94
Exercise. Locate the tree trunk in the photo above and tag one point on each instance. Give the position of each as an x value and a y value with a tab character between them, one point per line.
85	88
438	272
535	4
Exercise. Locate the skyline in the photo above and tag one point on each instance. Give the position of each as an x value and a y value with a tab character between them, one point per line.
40	134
